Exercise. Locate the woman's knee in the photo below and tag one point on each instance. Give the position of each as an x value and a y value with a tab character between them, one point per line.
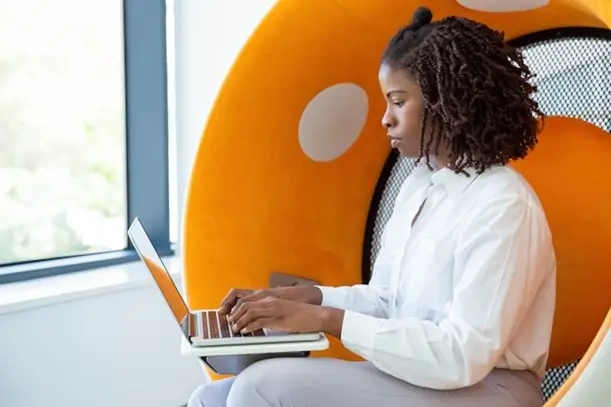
265	383
212	394
197	397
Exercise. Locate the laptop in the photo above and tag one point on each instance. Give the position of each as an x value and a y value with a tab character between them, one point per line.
202	327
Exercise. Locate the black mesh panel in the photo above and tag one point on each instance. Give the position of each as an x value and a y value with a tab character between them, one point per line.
574	77
573	73
399	172
554	378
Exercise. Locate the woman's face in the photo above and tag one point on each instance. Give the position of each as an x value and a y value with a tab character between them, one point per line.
404	110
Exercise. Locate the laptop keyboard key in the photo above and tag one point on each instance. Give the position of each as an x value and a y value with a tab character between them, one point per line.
226	331
205	326
258	332
215	326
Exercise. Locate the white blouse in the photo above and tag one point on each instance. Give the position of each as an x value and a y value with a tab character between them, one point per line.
470	287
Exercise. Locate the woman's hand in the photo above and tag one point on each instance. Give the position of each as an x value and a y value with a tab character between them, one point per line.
285	315
305	294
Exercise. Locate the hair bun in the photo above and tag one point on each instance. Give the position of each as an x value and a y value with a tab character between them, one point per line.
421	17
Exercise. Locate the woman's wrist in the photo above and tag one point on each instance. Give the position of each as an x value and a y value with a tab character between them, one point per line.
331	321
305	294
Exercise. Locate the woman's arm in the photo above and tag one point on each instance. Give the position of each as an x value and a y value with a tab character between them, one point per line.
369	299
504	254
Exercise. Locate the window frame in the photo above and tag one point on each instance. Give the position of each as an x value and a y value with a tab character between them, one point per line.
147	150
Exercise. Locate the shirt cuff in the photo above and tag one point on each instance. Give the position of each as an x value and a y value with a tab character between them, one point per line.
332	297
359	331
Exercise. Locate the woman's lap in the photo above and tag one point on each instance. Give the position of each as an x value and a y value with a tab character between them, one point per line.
213	394
309	382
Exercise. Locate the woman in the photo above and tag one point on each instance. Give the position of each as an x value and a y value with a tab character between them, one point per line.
460	306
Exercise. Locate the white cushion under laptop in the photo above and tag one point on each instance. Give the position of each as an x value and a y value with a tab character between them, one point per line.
207	329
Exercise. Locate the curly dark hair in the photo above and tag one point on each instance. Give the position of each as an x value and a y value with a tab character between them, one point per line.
476	90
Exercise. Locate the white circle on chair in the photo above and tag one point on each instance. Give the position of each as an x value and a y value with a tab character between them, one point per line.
332	121
502	6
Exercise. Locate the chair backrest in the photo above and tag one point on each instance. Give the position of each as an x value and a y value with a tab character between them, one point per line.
570	171
575	201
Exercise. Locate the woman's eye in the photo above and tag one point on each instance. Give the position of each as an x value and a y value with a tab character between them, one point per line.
398	104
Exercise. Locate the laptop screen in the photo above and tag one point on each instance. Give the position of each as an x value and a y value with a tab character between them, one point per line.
151	259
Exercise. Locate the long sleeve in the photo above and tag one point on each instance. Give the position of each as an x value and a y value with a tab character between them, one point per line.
503	254
369	299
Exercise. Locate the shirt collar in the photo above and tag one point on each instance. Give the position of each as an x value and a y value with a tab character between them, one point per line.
454	183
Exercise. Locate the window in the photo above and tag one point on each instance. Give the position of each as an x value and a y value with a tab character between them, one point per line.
83	133
62	120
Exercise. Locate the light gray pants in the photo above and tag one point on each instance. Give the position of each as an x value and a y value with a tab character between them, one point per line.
317	382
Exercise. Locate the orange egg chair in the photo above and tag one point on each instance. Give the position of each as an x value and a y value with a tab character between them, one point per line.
278	185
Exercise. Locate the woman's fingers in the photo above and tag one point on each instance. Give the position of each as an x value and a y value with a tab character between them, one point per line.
232	297
248	312
250	297
246	318
260	323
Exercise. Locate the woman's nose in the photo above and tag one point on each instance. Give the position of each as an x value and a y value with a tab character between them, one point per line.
387	121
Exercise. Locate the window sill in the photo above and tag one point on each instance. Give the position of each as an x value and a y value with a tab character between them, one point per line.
44	291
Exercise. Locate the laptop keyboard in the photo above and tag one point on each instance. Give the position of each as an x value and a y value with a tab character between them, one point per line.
214	326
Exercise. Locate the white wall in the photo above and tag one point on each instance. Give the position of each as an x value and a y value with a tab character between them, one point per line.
209	35
110	347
